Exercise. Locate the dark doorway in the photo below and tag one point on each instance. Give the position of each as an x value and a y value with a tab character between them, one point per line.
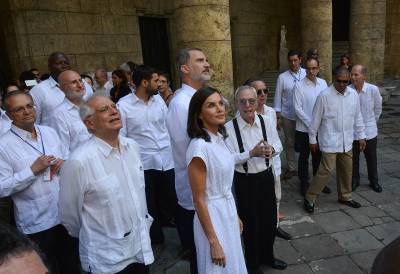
340	20
154	38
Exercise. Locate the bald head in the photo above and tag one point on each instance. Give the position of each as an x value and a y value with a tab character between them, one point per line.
358	76
71	84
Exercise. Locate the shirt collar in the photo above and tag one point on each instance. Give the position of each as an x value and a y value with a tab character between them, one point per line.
309	82
52	82
346	92
215	138
188	89
363	89
70	104
242	123
136	99
26	135
106	149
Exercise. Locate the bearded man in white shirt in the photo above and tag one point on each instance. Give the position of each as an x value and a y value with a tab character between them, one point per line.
304	97
30	158
65	117
102	196
194	73
337	119
371	109
143	115
47	94
283	105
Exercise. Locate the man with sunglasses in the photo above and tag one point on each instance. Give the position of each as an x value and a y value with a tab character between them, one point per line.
304	98
102	196
337	119
262	108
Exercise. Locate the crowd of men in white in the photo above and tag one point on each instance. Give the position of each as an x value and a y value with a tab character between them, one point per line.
83	170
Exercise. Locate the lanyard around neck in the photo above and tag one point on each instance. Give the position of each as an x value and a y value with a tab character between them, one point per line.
22	139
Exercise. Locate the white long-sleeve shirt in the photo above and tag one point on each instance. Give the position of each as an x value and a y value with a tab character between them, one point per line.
251	136
270	113
70	128
145	123
336	119
304	97
103	202
35	198
177	127
371	108
47	96
5	122
283	100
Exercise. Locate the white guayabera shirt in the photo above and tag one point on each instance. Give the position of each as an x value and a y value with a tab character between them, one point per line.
35	197
103	202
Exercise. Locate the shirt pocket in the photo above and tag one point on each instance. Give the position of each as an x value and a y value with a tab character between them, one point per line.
113	215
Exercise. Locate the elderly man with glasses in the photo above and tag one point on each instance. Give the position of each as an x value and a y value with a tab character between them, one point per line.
336	119
254	140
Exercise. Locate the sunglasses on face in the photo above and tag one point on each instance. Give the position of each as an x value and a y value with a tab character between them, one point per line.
344	82
265	91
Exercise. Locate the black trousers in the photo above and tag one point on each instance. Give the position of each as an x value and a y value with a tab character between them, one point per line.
184	224
60	249
135	268
161	200
371	159
302	146
256	204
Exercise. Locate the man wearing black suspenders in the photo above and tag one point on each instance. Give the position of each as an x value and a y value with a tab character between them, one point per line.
254	140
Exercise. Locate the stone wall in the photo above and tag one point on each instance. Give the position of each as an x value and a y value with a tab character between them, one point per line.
93	33
392	49
255	26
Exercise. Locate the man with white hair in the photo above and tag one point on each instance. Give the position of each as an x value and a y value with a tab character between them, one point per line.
254	140
102	196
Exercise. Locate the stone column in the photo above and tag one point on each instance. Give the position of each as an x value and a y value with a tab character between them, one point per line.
206	25
392	38
367	36
316	32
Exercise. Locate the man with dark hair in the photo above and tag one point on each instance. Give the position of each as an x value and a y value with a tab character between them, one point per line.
194	71
387	261
305	95
36	73
47	94
337	119
30	159
283	104
143	115
371	109
18	254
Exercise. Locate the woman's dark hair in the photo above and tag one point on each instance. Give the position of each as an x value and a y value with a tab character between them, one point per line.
87	76
120	74
195	125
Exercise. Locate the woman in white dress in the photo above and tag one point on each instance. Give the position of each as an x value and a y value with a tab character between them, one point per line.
216	226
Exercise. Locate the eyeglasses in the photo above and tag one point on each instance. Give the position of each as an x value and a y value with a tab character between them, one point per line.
265	91
244	102
20	110
107	108
343	82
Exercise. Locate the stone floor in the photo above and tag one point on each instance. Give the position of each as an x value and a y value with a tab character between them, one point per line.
336	239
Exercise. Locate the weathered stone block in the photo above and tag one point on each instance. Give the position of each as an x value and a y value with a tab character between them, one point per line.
385	232
67	43
59	5
90	62
83	23
315	247
45	22
342	265
357	240
335	221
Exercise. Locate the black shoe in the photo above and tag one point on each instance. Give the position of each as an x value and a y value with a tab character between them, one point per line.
327	190
350	203
309	207
376	187
278	264
283	234
354	185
